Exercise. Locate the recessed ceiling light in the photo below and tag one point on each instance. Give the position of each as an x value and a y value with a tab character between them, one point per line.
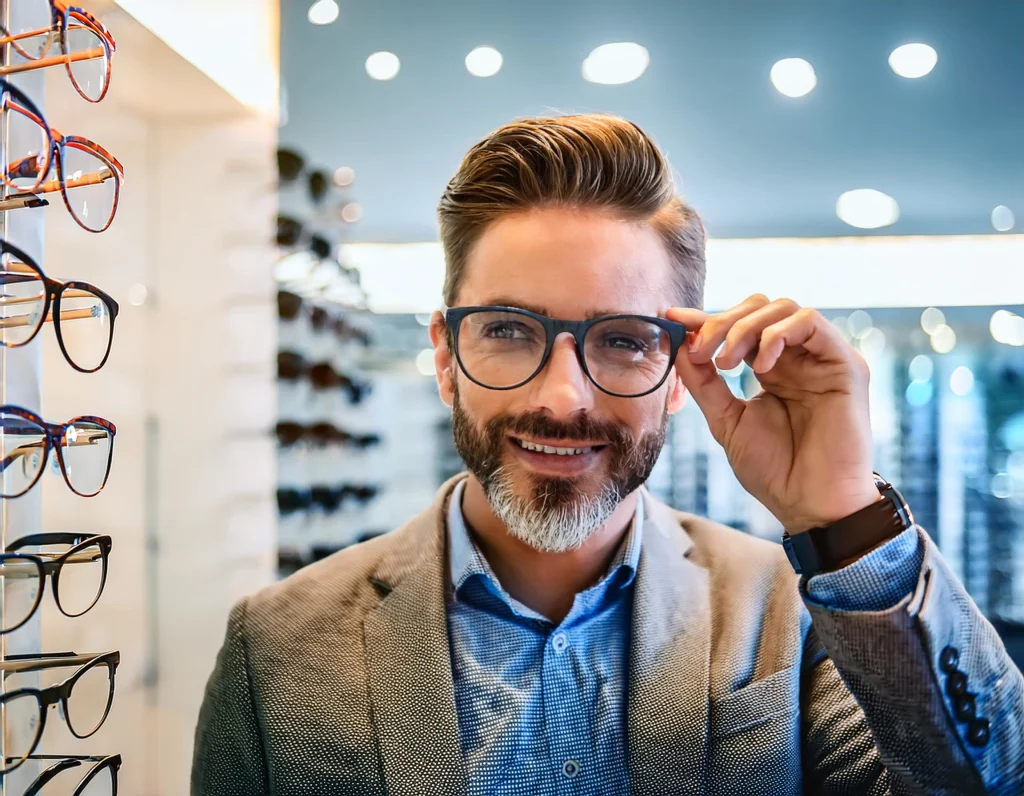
1002	219
867	208
483	62
913	60
921	368
344	176
616	63
323	12
944	339
382	65
793	77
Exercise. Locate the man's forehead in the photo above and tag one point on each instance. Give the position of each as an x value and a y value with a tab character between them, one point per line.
582	313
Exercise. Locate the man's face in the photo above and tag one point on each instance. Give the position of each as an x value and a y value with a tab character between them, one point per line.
568	265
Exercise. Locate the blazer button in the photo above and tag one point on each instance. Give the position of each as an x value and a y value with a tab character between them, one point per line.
977	732
949	659
964	707
956	684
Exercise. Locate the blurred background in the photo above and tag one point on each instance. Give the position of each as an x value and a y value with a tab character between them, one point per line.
275	257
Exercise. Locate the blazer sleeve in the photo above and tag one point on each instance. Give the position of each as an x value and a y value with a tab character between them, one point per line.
228	758
942	698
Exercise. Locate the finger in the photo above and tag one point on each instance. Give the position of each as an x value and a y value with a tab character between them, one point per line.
720	407
742	339
714	329
806	328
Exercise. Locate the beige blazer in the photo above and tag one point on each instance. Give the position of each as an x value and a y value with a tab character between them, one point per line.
338	680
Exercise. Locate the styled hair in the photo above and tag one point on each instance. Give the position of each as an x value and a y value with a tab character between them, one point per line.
590	161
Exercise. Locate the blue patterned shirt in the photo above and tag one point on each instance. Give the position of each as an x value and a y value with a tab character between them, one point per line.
542	707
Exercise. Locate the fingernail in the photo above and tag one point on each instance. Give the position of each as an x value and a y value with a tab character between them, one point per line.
697	341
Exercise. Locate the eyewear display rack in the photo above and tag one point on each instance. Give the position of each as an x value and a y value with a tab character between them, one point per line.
20	384
23	736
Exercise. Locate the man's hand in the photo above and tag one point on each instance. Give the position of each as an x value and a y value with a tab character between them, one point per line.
802	446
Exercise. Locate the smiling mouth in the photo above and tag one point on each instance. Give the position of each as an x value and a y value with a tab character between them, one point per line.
552	450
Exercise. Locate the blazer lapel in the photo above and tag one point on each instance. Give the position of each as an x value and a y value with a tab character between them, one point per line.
667	715
409	663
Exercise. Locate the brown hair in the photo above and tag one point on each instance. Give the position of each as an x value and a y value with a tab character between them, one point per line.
591	161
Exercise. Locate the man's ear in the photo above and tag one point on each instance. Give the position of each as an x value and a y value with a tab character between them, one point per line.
444	359
676	394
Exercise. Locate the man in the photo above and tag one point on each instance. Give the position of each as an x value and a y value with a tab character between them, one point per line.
549	628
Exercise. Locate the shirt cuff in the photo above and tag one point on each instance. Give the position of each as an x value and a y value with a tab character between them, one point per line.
875	581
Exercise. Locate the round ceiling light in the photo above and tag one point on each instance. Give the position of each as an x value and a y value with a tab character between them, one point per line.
867	208
382	66
913	60
1007	328
944	339
931	319
344	176
1002	219
961	381
616	63
351	212
483	62
323	12
793	77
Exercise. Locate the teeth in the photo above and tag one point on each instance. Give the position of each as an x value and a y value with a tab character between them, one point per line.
555	451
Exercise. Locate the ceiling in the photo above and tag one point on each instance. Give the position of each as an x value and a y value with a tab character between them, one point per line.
948	147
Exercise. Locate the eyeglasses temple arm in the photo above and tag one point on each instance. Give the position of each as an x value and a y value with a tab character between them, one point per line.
53	60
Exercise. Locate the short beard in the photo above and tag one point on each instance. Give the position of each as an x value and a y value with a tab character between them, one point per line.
560	514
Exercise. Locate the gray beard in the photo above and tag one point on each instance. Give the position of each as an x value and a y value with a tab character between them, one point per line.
554	530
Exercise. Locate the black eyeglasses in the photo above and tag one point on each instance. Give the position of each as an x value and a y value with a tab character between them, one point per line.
100	779
84	447
77	570
82	314
84	697
502	348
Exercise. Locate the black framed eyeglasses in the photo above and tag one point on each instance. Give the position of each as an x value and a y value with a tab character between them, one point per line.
84	698
75	562
502	348
82	315
99	779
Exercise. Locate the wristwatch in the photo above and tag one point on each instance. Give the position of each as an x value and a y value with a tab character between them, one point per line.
843	542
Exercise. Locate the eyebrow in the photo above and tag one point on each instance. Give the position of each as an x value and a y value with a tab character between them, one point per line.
521	305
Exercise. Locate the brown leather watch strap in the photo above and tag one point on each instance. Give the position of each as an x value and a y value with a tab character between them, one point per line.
841	543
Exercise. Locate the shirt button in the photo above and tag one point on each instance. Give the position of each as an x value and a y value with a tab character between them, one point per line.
560	642
977	732
956	684
570	768
949	659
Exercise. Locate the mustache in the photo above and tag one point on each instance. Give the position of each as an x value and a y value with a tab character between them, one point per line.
538	424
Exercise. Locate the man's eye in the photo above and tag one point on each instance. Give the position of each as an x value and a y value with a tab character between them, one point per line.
624	343
506	331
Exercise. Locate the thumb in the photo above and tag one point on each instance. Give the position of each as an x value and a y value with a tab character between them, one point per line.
720	407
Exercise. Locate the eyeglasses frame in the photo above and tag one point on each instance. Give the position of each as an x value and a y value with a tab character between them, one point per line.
53	564
59	17
54	434
59	693
66	762
454	317
56	142
54	289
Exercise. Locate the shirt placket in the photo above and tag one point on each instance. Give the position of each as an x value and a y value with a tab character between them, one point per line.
564	715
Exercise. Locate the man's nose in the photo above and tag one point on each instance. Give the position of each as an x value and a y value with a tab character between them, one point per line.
562	388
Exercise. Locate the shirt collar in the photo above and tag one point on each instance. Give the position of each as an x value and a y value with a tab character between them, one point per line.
466	560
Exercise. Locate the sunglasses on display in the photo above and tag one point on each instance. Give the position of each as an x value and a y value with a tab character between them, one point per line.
99	779
320	434
77	571
84	447
88	177
82	315
502	348
289	307
86	46
84	698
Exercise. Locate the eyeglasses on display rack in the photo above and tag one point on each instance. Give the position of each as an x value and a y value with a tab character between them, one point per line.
98	779
77	570
84	447
502	348
88	177
289	433
289	307
86	46
84	698
82	315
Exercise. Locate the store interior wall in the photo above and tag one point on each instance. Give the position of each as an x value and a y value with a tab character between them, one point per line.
189	385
